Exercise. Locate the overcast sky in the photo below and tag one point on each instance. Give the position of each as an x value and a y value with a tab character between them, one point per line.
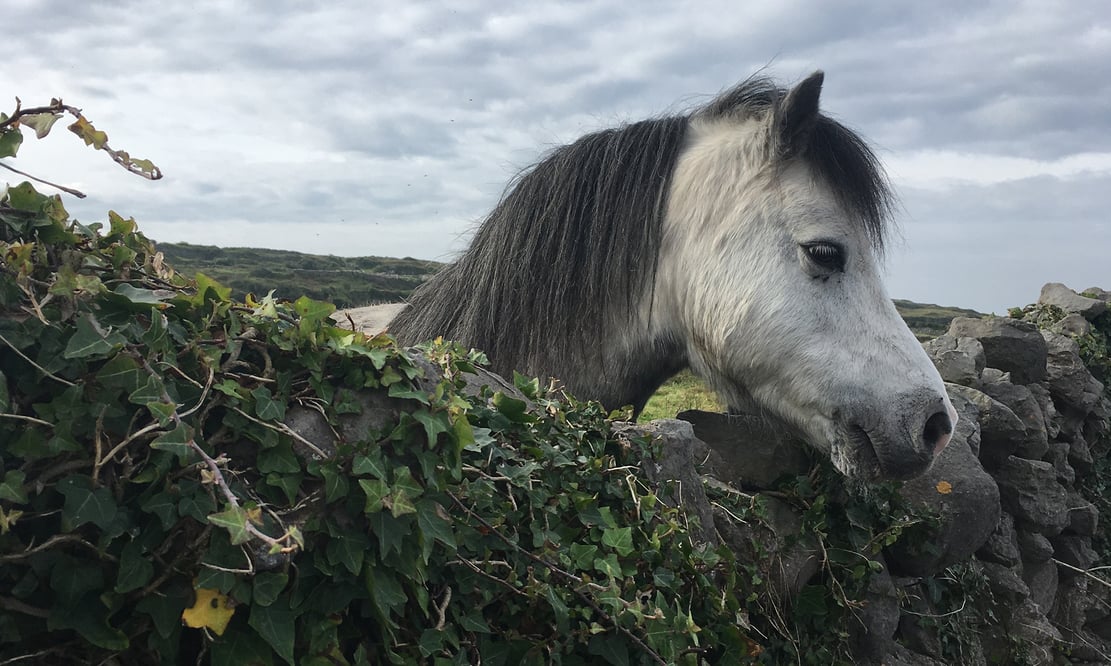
375	128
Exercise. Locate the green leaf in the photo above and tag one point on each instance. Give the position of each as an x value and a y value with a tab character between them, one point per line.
434	423
386	592
11	488
163	412
376	491
90	339
515	410
266	407
71	578
165	609
435	524
144	297
152	390
275	625
177	441
620	539
234	520
372	463
241	648
83	505
10	140
609	647
312	311
349	551
121	372
163	506
267	586
135	570
336	485
90	619
390	531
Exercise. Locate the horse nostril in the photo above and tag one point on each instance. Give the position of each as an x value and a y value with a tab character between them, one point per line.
937	432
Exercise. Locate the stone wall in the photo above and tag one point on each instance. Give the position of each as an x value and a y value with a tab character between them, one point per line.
1007	490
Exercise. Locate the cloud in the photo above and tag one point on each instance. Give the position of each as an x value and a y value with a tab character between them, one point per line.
355	128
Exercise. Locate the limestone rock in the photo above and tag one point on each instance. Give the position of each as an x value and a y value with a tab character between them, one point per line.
675	463
745	450
1083	515
1072	386
1009	344
1073	325
1032	546
1029	490
1049	411
1000	430
1005	583
1002	546
1075	552
1058	295
1041	579
967	504
1021	401
958	360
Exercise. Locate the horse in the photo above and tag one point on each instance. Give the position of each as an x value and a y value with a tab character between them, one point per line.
742	240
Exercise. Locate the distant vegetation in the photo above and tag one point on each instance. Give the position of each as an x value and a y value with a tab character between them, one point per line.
345	281
928	320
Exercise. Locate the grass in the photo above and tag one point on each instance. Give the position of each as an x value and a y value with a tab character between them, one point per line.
682	392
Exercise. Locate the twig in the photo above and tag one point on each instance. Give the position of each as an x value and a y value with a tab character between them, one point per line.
29	419
18	606
285	430
37	366
441	608
1086	572
54	541
68	190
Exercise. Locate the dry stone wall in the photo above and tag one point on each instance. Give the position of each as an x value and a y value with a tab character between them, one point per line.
1013	492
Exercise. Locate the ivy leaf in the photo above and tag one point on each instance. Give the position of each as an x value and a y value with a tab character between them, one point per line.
211	610
435	525
515	410
10	140
241	648
234	520
275	625
135	570
267	586
372	463
376	491
40	122
83	505
266	407
177	441
11	488
151	391
609	647
90	340
434	424
620	539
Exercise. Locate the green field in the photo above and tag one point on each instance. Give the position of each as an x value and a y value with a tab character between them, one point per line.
355	281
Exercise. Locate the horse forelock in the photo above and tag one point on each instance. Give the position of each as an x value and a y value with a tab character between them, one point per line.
840	157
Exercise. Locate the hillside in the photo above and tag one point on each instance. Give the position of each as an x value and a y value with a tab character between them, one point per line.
345	281
356	281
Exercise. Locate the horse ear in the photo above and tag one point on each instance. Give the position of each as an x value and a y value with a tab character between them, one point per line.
799	114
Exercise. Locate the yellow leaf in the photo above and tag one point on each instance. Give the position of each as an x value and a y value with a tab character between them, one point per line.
212	610
944	487
8	520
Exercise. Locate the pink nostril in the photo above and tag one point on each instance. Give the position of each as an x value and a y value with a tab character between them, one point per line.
938	431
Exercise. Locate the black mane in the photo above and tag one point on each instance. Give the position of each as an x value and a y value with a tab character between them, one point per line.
560	264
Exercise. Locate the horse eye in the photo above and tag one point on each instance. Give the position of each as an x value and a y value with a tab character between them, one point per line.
827	255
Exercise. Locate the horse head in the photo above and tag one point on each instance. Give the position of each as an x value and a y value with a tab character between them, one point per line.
770	271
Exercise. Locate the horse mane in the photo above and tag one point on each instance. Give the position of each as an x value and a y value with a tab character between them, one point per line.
564	258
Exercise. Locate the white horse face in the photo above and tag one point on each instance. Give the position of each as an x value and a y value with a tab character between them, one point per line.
778	293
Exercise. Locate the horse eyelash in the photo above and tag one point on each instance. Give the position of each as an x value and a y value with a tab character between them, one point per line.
826	254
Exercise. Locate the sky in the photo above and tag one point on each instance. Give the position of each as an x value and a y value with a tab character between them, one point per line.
392	128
